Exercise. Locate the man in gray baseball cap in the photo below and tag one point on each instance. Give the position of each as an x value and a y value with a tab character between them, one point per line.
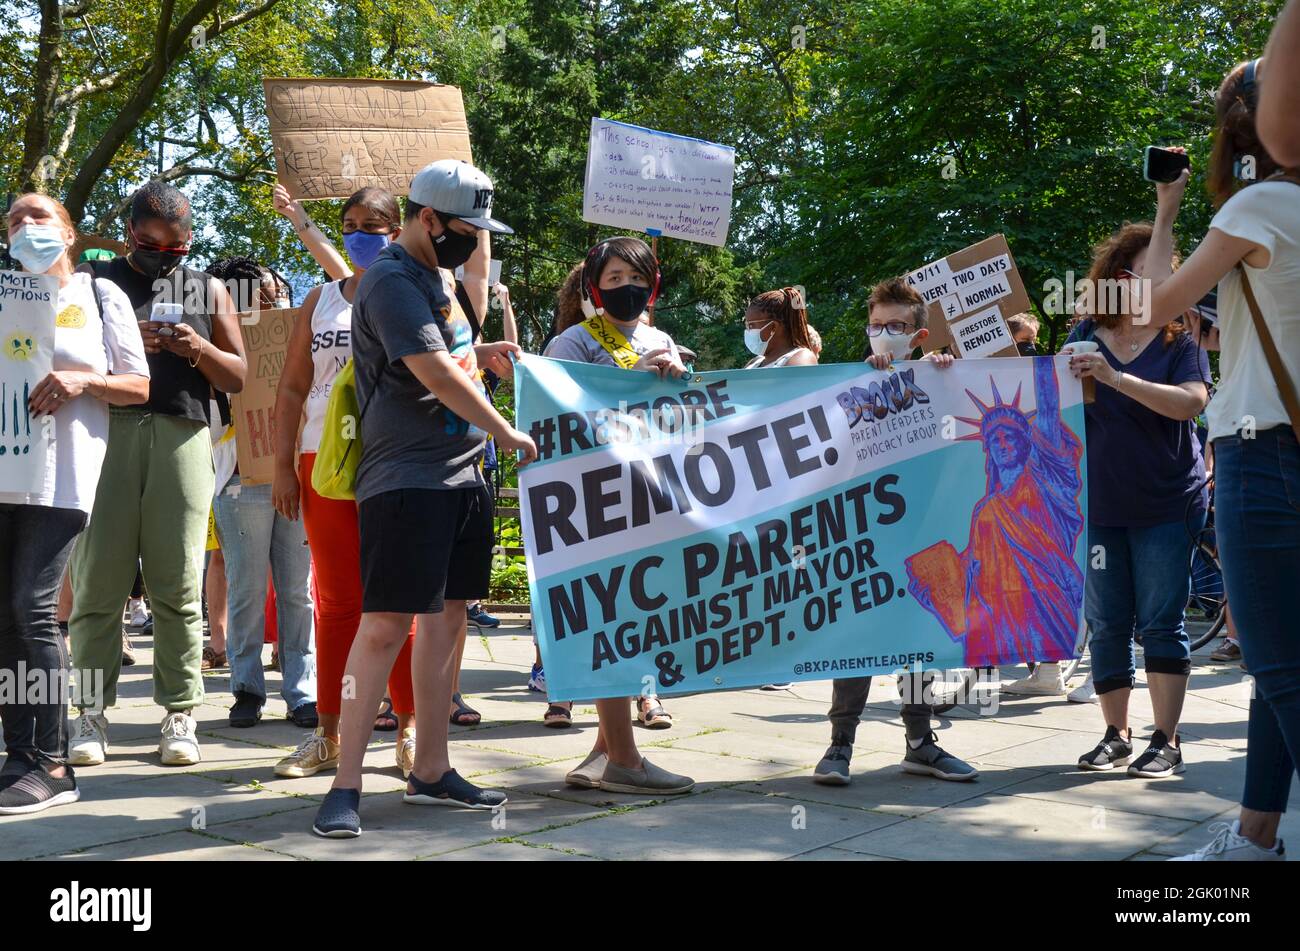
423	509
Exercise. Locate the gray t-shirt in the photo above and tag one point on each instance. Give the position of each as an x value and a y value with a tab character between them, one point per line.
579	345
409	439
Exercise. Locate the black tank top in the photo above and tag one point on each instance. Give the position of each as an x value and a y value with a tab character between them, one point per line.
175	387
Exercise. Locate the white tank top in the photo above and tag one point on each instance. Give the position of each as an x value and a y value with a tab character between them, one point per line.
778	362
331	346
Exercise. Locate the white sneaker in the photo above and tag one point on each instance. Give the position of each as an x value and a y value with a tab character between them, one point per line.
406	752
179	745
1228	845
1084	693
136	614
1045	681
88	745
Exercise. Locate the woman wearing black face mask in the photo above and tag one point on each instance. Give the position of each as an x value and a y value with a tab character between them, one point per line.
1024	331
620	280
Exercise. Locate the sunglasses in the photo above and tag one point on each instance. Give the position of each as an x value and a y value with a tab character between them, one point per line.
162	248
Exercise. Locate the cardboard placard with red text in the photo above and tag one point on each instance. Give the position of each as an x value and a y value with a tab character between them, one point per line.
266	343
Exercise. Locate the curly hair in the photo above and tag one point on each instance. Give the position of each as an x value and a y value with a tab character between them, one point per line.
1117	253
245	275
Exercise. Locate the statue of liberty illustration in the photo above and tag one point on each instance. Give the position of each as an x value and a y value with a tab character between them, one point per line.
1016	592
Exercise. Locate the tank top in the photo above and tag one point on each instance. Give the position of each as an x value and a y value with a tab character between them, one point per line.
331	346
175	387
778	362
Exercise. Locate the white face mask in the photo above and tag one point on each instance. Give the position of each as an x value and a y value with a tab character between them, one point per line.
900	346
37	247
754	341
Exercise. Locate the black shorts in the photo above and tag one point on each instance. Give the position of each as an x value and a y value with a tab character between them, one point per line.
420	547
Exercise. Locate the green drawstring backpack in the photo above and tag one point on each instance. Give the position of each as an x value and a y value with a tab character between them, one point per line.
334	475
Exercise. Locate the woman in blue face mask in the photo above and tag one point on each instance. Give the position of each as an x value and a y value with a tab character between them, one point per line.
319	347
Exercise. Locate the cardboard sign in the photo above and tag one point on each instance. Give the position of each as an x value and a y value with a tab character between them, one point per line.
657	182
266	341
27	316
980	281
333	136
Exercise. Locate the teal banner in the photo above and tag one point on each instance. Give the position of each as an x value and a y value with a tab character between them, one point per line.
800	523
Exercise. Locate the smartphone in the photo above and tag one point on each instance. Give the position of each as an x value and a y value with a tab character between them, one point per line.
167	313
1208	309
1162	165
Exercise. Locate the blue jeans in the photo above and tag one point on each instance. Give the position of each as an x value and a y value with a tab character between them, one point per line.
252	535
1139	580
1257	519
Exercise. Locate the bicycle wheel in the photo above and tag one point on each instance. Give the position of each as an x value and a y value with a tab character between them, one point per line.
1208	601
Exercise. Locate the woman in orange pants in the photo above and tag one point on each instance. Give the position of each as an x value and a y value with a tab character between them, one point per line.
318	348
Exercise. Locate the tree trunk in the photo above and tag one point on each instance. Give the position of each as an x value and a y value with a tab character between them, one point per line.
49	68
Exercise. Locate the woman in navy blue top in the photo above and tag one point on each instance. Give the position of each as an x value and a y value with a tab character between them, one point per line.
1146	499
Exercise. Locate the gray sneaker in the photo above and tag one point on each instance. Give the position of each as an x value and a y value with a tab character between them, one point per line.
929	759
586	775
648	780
833	770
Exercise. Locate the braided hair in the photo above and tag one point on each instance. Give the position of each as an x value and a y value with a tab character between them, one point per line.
787	307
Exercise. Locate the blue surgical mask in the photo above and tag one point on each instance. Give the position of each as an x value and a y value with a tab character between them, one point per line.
37	247
363	247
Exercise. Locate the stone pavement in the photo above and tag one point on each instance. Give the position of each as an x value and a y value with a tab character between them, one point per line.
750	751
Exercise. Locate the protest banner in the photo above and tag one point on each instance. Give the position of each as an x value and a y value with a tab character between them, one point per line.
27	320
333	136
266	341
969	295
658	183
800	523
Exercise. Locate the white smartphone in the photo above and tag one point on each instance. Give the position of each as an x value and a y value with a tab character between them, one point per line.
167	313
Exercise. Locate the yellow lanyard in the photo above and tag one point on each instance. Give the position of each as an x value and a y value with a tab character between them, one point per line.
612	339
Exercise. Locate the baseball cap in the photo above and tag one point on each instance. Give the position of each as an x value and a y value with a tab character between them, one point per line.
457	189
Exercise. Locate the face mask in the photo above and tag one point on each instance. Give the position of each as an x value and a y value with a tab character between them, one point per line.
363	247
625	303
155	264
1027	349
37	247
754	341
453	248
897	345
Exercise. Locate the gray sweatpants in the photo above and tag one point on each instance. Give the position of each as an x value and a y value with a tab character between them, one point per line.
849	699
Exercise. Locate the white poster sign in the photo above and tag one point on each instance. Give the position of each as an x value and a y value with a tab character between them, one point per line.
27	311
982	335
657	182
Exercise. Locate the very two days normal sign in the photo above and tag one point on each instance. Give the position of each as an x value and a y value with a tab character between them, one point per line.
969	295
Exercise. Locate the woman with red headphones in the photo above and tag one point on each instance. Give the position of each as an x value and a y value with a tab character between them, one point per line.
620	281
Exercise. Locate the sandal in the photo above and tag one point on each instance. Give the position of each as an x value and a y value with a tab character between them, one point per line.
652	715
213	661
558	715
386	719
463	715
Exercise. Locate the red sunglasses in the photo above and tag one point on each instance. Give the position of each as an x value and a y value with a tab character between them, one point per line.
149	246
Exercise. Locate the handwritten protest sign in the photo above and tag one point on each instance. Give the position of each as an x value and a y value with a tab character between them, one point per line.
266	341
762	526
333	136
27	314
658	182
977	287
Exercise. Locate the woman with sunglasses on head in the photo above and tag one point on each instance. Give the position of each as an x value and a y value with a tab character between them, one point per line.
98	362
620	281
1146	499
157	483
320	345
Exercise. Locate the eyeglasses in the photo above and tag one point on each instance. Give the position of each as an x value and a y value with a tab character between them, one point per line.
894	328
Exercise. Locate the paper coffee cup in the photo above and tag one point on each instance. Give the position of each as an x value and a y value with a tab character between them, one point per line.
1081	346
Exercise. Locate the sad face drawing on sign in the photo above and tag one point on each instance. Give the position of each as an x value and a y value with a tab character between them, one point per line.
15	421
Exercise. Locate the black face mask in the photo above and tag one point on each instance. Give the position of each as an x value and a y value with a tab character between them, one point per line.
1027	349
625	303
453	248
155	264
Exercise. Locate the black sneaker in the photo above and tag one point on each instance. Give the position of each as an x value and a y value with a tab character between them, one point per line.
305	716
14	769
1161	759
337	817
36	790
247	709
451	790
1112	751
